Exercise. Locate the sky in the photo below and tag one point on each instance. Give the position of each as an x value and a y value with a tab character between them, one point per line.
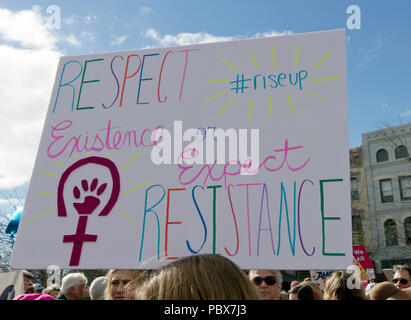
34	34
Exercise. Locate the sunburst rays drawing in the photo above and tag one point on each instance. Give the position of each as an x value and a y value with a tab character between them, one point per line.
275	63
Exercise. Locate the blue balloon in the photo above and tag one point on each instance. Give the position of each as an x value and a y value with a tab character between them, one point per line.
13	224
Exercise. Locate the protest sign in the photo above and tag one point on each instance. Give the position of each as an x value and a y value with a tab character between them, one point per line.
320	277
363	262
235	148
11	283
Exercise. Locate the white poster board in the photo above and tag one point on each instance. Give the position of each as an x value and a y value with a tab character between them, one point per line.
235	148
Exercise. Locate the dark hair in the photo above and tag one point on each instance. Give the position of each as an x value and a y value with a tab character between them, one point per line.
402	267
303	292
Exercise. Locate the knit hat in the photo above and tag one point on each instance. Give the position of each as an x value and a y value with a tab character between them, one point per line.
28	274
38	287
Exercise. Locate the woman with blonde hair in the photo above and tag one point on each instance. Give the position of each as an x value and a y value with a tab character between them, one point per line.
120	282
338	287
198	277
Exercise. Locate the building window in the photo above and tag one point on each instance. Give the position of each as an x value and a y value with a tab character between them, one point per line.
401	152
405	188
386	191
407	227
354	189
391	235
382	155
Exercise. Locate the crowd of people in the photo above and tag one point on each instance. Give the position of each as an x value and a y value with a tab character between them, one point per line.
213	277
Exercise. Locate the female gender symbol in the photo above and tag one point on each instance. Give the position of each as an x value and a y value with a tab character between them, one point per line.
89	205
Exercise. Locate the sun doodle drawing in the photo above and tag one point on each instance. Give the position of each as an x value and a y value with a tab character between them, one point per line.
243	83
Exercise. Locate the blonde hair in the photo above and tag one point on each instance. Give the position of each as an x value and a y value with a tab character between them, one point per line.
198	277
336	288
136	274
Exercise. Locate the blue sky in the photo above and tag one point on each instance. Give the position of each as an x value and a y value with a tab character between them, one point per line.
378	60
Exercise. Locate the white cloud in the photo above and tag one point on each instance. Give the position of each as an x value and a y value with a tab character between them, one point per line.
118	40
72	40
187	38
272	33
406	114
372	54
28	61
184	38
146	10
75	19
87	36
90	19
27	28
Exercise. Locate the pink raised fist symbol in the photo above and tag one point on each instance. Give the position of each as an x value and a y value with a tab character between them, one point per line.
90	203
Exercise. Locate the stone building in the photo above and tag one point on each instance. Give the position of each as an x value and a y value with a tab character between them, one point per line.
388	178
361	223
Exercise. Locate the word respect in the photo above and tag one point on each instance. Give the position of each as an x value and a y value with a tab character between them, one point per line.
73	69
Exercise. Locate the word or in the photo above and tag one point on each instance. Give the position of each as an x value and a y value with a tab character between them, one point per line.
274	81
247	167
150	209
231	309
354	20
162	154
110	140
174	309
203	133
77	69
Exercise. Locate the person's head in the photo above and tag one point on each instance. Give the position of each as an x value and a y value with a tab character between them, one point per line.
402	276
338	288
294	283
389	291
38	288
118	281
267	282
28	280
303	291
74	286
198	277
318	294
98	288
52	290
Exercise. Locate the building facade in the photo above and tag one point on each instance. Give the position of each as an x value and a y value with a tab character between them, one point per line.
361	221
388	179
